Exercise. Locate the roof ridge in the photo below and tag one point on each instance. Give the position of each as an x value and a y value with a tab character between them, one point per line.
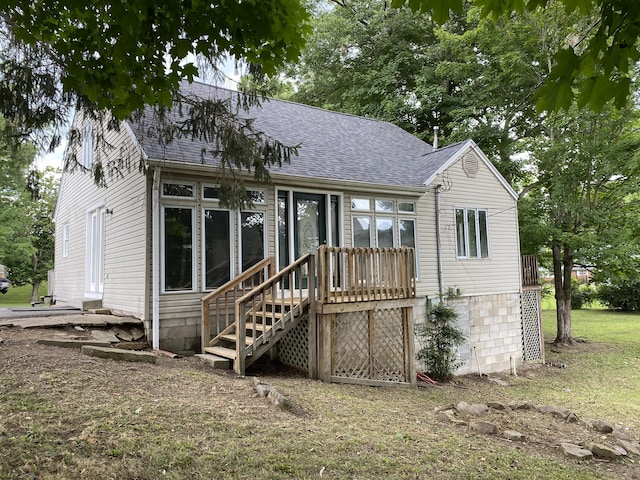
320	109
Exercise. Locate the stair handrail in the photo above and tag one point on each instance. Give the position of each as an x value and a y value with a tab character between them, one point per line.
270	283
231	285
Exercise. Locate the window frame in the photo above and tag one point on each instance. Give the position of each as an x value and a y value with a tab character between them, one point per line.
163	238
239	236
203	235
87	146
65	240
179	197
479	233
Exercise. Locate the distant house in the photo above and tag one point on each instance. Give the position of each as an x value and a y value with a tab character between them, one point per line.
152	245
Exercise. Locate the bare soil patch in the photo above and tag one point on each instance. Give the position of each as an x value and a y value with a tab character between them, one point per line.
65	415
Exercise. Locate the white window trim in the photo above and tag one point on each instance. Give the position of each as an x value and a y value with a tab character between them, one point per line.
208	199
194	268
65	240
466	233
232	265
178	197
87	146
94	290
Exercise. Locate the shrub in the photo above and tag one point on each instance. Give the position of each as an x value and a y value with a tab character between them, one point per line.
582	295
621	295
441	337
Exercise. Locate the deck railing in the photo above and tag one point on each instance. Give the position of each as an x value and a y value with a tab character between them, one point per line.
223	299
530	272
365	274
273	303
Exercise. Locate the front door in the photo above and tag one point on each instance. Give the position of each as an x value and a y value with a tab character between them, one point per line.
310	229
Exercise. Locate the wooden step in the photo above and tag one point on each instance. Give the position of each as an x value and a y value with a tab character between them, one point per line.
222	352
232	338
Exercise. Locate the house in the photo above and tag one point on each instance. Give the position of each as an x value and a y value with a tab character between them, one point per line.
152	245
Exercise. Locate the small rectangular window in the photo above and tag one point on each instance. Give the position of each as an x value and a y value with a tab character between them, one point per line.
217	248
257	196
407	233
384	205
407	207
180	190
87	146
472	233
65	240
362	232
360	204
252	241
210	193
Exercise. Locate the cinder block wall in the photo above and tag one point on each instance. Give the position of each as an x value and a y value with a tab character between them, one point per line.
493	327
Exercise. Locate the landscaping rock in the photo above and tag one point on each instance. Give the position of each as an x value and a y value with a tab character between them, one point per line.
574	451
449	416
132	345
632	448
558	412
137	333
572	418
122	334
71	342
104	336
497	406
620	434
602	426
118	354
487	428
513	435
473	409
522	406
603	451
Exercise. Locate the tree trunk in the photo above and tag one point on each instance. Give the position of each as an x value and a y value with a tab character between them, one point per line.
562	267
34	292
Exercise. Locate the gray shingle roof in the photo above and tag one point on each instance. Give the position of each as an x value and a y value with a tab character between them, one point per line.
333	146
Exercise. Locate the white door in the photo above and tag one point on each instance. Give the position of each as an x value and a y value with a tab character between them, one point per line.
95	251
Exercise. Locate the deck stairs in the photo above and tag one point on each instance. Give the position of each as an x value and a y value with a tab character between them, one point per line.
261	314
265	324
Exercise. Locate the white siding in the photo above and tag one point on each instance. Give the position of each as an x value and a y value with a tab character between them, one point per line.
126	232
500	273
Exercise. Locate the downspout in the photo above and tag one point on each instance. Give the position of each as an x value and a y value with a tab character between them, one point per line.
155	260
438	242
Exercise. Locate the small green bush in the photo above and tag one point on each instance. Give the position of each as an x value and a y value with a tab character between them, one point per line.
441	337
582	295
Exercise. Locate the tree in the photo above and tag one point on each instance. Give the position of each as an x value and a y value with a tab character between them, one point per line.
593	67
112	60
587	165
26	226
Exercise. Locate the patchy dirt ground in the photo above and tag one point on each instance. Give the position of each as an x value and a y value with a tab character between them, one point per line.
66	415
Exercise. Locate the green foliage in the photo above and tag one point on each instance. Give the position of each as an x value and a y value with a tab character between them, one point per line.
441	336
597	64
621	294
113	60
582	295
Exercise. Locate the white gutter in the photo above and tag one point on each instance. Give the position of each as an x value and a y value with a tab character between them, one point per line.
155	260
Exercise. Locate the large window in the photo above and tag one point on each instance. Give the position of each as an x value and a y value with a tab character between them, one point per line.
178	248
472	233
252	238
217	248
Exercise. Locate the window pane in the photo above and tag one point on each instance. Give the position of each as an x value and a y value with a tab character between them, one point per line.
384	205
252	232
484	233
471	225
408	233
384	227
406	207
256	196
178	249
335	221
211	193
360	204
217	249
460	236
361	232
283	232
177	190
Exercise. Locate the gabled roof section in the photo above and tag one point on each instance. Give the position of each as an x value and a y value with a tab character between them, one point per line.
333	146
437	161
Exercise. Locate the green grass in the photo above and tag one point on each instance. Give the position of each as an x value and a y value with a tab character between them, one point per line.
20	296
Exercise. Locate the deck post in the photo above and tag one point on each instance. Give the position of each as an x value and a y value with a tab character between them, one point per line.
241	333
205	332
313	323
